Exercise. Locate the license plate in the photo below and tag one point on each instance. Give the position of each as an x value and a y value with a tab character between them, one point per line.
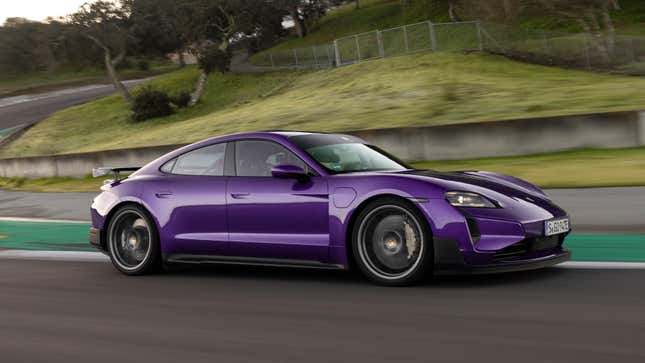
556	226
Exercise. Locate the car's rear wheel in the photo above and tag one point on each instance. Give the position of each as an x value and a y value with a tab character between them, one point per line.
391	242
133	242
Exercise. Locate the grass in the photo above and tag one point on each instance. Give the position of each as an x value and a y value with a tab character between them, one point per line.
35	82
571	169
54	185
416	90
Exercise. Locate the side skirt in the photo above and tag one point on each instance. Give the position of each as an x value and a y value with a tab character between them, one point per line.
250	261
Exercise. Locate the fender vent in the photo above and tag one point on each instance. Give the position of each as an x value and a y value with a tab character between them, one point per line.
473	228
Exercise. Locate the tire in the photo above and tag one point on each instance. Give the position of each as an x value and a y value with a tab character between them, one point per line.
392	243
133	241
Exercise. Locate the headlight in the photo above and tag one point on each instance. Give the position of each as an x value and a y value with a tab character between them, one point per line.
469	200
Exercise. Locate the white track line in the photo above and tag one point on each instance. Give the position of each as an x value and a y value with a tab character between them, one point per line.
40	220
71	256
603	265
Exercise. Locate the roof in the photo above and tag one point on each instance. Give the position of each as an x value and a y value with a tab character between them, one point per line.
288	133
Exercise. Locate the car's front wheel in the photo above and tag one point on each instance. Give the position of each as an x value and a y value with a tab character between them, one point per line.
132	241
391	242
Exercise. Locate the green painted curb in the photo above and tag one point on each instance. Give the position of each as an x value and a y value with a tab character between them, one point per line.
44	236
607	247
59	236
7	131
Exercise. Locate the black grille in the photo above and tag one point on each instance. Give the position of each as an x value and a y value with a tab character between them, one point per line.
513	251
524	247
546	243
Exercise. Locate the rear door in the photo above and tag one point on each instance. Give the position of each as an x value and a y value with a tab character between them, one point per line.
275	218
191	200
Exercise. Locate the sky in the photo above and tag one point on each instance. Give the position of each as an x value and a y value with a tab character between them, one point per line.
37	9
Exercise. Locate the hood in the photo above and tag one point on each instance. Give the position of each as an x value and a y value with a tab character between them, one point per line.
504	184
520	200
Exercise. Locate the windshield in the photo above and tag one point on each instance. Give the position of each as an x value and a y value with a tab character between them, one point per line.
342	154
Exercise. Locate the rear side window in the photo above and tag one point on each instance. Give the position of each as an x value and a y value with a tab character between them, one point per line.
207	161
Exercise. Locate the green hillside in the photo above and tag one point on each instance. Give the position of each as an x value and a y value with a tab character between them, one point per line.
415	90
384	14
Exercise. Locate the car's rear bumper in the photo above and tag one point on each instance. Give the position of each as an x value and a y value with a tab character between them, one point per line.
449	260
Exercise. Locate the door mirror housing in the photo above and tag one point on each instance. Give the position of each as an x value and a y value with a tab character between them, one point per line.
290	172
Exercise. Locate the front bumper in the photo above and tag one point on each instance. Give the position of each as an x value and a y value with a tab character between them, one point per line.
449	260
95	239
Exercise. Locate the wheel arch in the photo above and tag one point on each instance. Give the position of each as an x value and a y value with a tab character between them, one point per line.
351	259
117	207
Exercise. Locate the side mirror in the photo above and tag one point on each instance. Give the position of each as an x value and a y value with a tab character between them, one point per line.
290	172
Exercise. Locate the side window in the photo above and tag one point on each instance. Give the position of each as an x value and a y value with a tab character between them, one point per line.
208	161
257	157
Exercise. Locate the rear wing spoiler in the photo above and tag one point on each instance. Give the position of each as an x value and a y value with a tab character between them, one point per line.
99	172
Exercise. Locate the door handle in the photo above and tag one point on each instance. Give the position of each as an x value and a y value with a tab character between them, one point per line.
163	195
240	195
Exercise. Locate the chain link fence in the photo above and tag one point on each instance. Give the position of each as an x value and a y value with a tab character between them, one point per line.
317	56
625	54
407	39
618	53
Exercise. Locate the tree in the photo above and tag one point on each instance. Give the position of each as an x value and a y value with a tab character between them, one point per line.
594	18
296	12
106	23
153	27
204	24
450	5
452	11
305	13
21	46
501	11
212	58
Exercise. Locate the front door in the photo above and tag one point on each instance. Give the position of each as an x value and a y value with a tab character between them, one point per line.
275	218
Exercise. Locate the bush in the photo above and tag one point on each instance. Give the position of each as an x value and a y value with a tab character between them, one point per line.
213	59
150	103
181	99
143	65
126	63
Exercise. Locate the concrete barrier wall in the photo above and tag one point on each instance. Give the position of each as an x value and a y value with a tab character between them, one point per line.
79	165
461	141
510	138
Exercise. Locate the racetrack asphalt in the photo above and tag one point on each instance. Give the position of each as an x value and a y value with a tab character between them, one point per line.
29	109
87	312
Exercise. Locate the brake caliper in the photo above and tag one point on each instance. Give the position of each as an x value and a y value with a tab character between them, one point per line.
411	241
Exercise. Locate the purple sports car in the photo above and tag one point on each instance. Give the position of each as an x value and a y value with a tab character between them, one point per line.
325	201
